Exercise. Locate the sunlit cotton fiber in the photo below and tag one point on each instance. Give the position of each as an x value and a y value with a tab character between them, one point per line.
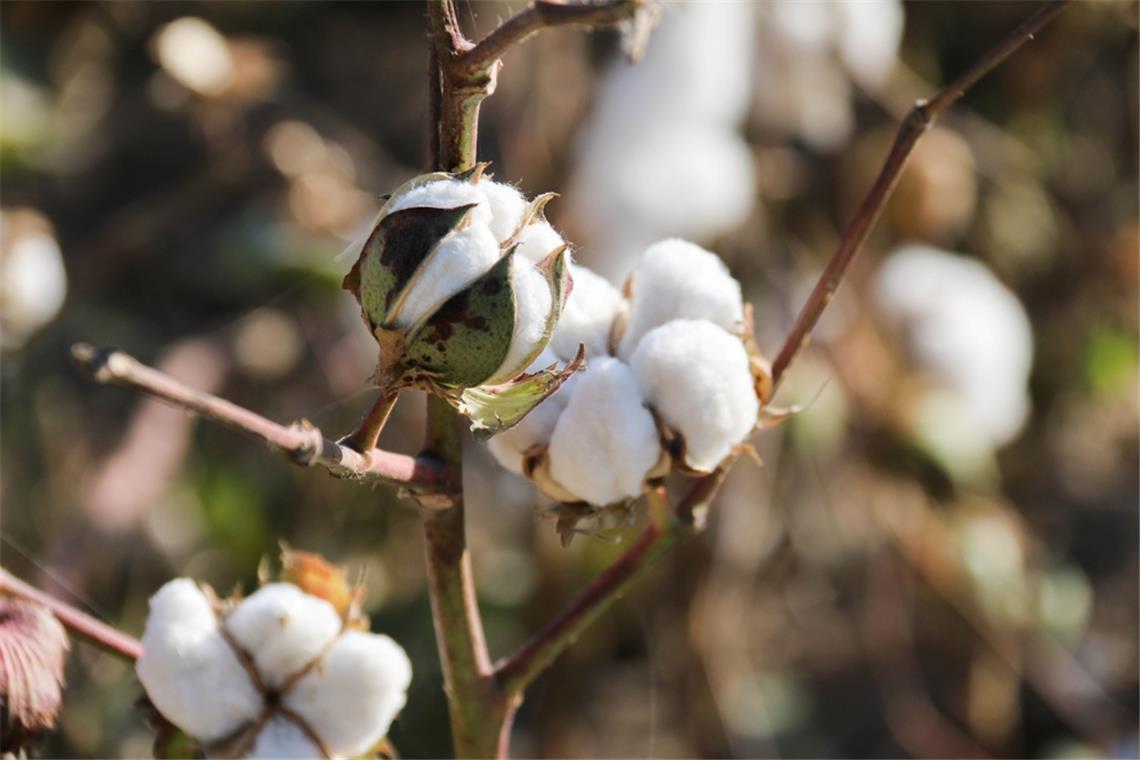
588	315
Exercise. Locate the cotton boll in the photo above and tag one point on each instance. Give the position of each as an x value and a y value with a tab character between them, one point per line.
282	738
354	693
676	279
588	315
537	241
189	671
606	440
283	629
457	261
967	328
685	180
534	301
507	208
444	193
699	379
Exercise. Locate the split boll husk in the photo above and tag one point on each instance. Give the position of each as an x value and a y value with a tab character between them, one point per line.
698	378
676	279
461	282
341	687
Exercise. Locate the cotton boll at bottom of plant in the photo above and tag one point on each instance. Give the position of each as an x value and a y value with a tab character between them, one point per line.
606	440
588	315
283	629
457	261
351	697
676	279
187	668
698	378
534	300
684	180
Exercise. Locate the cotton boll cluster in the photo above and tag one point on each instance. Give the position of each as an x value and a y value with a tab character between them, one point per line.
671	381
970	332
661	155
807	55
461	282
224	671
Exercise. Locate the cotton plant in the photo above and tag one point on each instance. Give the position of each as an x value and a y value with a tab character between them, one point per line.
672	382
283	672
461	282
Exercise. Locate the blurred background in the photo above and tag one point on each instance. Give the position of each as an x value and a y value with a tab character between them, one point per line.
938	555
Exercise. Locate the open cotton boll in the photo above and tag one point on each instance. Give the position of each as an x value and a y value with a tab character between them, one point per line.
537	241
455	263
282	738
444	193
699	379
509	447
189	671
507	207
965	326
587	316
534	300
676	279
283	629
605	440
354	693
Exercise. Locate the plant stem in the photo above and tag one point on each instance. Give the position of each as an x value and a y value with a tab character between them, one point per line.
912	128
78	622
302	442
367	433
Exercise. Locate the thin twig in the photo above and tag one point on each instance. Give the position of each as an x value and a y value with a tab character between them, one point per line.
75	620
916	123
367	433
542	14
302	442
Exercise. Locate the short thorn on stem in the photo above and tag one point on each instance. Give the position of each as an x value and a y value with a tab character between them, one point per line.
75	620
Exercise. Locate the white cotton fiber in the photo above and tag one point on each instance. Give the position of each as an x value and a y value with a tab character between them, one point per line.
537	241
507	208
605	440
351	697
698	378
868	39
676	279
588	315
283	629
965	326
444	193
188	670
534	300
457	261
282	738
510	446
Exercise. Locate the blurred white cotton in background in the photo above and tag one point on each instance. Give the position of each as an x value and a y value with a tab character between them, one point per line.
34	282
661	155
196	55
969	330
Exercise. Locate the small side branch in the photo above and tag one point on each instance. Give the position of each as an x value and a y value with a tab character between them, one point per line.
76	621
542	14
302	442
917	122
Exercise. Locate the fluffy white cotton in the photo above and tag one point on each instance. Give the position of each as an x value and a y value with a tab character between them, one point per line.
352	696
510	446
587	316
282	738
537	241
534	300
507	207
444	193
679	179
283	629
189	671
606	440
961	323
698	378
676	279
456	262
